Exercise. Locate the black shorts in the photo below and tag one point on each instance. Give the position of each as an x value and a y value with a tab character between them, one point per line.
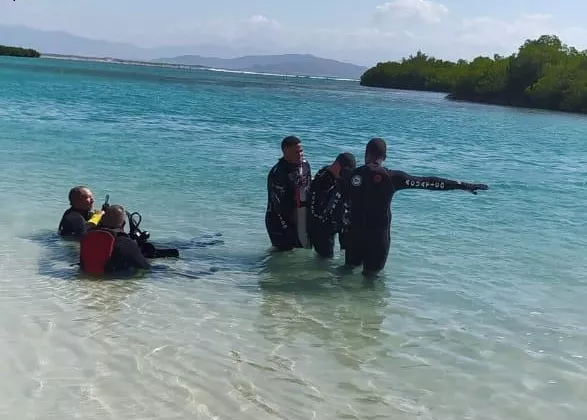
369	249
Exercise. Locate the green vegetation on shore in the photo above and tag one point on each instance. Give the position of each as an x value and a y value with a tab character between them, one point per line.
544	73
18	52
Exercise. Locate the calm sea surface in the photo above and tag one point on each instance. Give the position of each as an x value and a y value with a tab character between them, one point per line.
480	314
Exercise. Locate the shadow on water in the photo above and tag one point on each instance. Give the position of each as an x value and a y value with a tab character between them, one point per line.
213	254
203	241
302	271
341	310
60	257
58	260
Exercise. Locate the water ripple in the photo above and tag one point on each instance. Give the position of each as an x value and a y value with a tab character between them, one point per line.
478	314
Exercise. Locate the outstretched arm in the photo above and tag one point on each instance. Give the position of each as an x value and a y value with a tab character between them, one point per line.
401	180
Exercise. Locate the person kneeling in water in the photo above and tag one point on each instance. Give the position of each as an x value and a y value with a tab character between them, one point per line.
79	217
107	248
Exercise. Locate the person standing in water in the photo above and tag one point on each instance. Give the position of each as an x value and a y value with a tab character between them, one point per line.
327	204
371	190
287	185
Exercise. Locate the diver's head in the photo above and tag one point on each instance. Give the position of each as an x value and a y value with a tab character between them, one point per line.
343	166
292	149
114	217
376	151
81	198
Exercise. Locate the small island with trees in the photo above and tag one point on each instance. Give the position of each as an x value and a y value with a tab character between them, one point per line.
543	74
18	52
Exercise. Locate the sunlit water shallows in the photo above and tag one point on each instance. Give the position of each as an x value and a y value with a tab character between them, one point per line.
480	313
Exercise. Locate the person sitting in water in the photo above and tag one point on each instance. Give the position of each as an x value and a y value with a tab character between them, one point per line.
79	217
106	248
327	205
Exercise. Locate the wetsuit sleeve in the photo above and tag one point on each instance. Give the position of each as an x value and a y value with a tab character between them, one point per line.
325	201
278	190
401	180
317	190
131	253
73	224
344	214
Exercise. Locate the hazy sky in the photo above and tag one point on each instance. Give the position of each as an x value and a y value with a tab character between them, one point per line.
362	31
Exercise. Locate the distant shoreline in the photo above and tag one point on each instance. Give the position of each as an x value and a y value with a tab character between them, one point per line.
543	74
182	66
117	60
8	51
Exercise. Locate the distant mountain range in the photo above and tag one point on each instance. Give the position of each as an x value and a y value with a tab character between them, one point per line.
297	64
63	43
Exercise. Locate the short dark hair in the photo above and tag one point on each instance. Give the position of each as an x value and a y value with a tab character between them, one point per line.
76	192
113	217
289	141
377	148
347	160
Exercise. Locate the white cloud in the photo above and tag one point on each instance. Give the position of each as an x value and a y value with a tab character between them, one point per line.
257	31
484	29
487	35
356	38
403	27
367	44
263	21
466	38
425	10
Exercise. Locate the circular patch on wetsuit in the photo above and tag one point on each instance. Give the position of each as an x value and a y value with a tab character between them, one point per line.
356	180
377	178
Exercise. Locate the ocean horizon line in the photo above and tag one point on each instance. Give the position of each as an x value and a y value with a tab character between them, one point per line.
122	61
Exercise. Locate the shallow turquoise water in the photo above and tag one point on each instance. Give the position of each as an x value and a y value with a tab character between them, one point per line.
479	315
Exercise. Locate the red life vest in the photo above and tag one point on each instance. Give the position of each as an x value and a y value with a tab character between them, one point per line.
96	248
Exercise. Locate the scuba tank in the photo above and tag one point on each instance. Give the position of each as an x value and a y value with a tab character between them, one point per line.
301	192
141	237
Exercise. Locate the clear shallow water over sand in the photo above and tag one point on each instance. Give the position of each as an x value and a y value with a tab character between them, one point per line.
480	313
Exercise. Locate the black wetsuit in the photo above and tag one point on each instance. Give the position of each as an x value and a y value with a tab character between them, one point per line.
125	255
281	203
74	223
371	190
326	212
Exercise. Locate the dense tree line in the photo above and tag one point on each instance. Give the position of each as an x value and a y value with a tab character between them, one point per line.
543	73
18	52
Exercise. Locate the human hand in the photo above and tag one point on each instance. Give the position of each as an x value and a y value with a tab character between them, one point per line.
472	188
